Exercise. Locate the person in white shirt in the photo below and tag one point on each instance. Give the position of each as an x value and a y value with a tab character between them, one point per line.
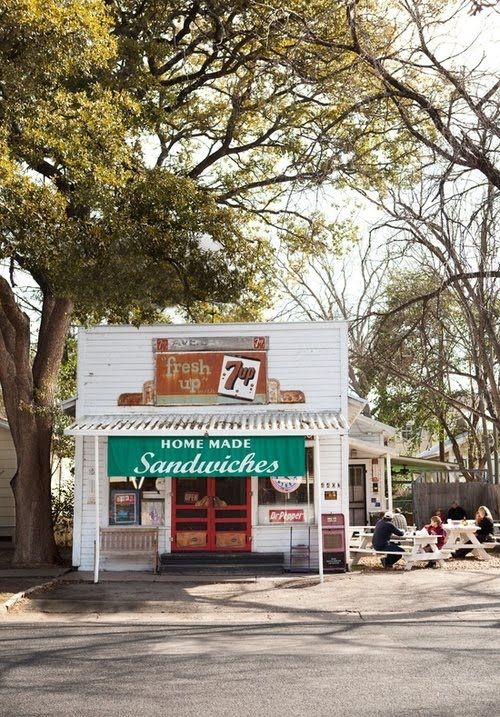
399	520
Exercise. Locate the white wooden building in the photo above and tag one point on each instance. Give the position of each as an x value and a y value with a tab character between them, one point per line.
271	390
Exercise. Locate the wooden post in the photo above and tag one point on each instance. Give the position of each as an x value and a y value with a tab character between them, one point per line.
97	553
389	481
317	506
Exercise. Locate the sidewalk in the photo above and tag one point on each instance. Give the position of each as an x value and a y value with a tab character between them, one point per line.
17	580
143	597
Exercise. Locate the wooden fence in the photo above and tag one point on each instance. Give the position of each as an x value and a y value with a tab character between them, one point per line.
429	497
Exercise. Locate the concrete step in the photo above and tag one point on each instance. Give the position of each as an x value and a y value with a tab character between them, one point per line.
221	558
222	563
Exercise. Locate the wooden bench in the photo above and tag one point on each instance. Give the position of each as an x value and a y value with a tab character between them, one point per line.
476	552
130	541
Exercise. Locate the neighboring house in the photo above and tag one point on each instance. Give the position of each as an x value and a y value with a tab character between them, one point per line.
374	460
429	447
433	451
8	464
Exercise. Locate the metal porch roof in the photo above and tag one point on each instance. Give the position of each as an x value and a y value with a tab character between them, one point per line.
417	465
251	423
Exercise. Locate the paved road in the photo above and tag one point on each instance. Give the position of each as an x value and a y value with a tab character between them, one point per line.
409	668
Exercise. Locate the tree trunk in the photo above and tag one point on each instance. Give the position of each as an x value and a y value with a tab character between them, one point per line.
29	390
35	544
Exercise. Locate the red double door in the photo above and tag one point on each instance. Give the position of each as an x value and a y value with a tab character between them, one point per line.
211	514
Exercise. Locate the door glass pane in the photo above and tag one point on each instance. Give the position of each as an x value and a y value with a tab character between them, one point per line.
230	491
191	514
187	512
357	495
192	491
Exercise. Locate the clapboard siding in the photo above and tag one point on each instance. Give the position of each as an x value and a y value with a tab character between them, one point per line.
377	439
276	539
119	359
8	464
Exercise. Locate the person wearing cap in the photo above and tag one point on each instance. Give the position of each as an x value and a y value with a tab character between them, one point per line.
381	540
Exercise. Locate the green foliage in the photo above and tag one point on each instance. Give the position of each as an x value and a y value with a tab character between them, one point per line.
245	109
63	498
67	373
414	354
62	446
120	239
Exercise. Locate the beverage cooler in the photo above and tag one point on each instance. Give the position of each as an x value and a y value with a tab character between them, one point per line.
334	543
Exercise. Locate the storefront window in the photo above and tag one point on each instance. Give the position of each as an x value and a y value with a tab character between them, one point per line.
134	501
276	506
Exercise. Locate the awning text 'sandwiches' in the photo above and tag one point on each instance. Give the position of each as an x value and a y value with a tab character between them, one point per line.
218	456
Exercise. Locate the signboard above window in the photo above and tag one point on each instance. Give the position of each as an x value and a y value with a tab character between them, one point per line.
208	371
206	375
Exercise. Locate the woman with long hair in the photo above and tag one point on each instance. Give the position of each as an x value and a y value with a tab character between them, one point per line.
485	532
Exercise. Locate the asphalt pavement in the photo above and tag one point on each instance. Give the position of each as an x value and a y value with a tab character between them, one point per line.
335	667
423	643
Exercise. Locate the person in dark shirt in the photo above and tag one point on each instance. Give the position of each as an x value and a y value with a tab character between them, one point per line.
456	512
485	533
441	514
382	539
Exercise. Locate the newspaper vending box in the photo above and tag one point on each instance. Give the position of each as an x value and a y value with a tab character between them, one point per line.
334	550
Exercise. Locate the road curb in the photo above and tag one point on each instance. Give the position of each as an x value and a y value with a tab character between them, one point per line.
14	599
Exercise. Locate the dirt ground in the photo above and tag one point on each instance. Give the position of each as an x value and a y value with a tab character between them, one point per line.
12	584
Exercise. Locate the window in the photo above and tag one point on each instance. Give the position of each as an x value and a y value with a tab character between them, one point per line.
407	431
295	507
135	501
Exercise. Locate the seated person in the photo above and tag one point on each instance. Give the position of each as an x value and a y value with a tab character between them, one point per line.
456	512
484	520
381	539
440	514
399	520
435	527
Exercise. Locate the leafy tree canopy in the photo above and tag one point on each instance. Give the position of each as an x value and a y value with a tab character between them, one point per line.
129	129
148	151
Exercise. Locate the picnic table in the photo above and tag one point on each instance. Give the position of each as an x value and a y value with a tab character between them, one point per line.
463	535
414	548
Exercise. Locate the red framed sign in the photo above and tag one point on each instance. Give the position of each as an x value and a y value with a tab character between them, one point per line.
287	515
125	507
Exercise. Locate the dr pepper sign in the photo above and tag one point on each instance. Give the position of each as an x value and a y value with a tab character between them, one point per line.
210	377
